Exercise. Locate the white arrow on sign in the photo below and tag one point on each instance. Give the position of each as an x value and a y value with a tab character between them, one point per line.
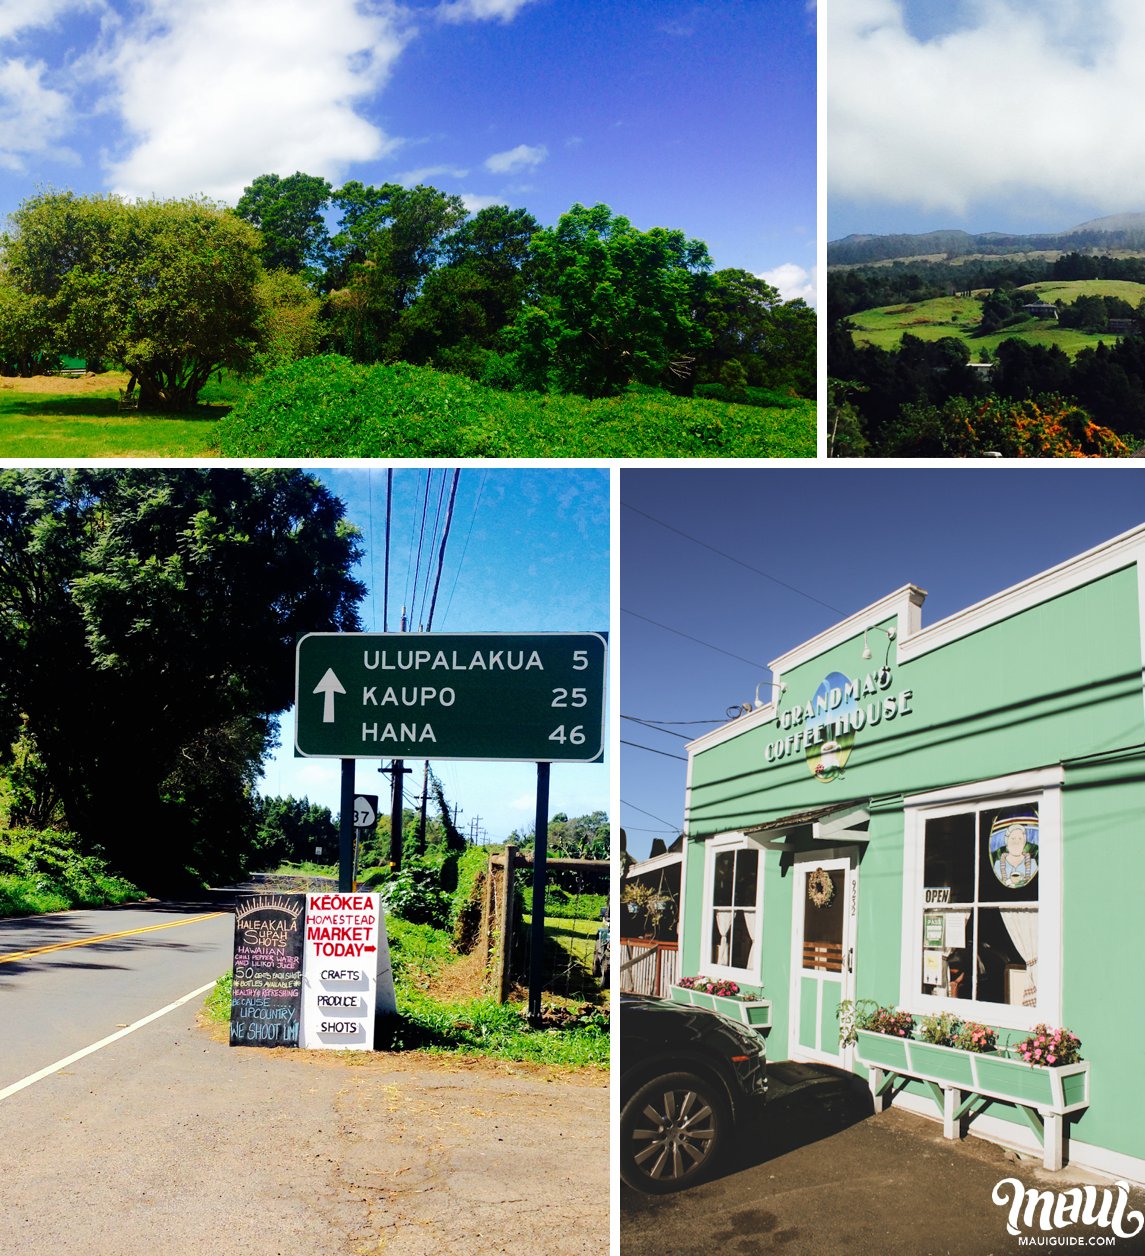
328	686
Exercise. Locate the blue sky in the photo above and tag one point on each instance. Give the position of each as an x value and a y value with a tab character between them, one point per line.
824	543
697	114
984	115
528	551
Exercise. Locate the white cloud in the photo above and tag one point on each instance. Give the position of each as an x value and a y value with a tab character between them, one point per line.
32	115
425	173
480	10
473	203
523	157
21	15
792	281
1028	102
217	92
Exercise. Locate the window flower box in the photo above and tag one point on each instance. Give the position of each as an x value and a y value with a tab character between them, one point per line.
1044	1095
882	1050
755	1013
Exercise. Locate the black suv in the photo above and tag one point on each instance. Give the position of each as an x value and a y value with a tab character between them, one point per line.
686	1076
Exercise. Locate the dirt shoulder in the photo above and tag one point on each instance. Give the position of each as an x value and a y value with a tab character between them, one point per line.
65	385
437	1154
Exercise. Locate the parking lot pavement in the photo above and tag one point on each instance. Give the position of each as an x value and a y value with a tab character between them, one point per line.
818	1174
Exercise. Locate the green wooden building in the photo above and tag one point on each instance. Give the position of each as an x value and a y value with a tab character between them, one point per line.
947	817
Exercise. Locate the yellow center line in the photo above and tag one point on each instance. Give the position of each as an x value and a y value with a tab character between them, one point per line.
106	937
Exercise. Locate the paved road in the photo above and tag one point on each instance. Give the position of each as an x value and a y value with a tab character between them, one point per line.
70	979
167	1142
819	1175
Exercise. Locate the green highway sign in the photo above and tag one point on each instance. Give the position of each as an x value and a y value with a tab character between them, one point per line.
537	697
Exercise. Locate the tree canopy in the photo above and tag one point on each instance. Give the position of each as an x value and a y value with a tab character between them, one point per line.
166	288
147	625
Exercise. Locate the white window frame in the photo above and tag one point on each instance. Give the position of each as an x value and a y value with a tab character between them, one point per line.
717	845
1043	787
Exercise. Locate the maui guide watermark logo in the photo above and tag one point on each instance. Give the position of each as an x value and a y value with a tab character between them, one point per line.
1049	1211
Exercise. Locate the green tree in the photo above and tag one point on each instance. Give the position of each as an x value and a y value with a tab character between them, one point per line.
289	323
167	288
608	304
744	317
292	829
389	240
147	626
473	294
288	213
25	340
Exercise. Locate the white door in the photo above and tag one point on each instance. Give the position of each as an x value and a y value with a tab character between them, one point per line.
823	955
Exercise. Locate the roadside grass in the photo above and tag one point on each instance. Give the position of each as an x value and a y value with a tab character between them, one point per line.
305	868
45	872
421	957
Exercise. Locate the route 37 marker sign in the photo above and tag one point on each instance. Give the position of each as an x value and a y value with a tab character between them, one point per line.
534	697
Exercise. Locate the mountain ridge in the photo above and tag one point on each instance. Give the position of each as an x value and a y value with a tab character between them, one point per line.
1114	231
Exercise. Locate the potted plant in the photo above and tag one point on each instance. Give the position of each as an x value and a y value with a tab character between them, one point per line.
880	1033
1044	1069
725	997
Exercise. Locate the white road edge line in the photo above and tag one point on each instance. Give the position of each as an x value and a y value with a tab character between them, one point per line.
32	1078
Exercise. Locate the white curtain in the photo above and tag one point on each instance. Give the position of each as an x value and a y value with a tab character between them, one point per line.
724	926
1022	926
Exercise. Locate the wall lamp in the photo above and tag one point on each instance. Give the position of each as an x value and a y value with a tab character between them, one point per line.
890	634
781	687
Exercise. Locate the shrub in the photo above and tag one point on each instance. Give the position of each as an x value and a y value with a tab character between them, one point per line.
415	894
328	407
46	871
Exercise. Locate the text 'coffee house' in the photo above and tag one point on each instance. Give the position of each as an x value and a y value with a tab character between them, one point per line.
945	819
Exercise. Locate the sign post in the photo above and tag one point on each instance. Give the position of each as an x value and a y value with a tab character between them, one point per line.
502	697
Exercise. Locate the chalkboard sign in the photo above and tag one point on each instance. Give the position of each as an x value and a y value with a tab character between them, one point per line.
266	997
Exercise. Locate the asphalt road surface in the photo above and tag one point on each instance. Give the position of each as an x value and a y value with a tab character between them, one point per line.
128	1128
817	1174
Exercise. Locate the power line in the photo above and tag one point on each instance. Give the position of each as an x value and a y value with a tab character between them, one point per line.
732	559
718	719
637	746
465	547
707	644
648	724
444	539
649	814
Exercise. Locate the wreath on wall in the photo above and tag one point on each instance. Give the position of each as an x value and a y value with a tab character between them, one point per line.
820	888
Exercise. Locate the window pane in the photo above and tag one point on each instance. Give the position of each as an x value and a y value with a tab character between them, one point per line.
722	878
1008	854
747	866
741	941
720	950
949	856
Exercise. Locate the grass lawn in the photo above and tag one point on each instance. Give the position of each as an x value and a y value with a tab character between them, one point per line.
959	316
71	419
50	417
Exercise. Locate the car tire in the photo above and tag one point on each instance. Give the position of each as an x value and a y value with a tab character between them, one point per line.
673	1131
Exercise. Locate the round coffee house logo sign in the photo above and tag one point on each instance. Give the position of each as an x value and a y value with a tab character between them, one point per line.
824	729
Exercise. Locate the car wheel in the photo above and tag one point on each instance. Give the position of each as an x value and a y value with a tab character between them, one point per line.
672	1133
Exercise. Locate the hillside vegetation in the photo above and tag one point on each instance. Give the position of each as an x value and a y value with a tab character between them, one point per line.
961	317
330	407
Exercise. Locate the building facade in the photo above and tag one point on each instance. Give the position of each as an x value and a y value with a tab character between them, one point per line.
945	818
